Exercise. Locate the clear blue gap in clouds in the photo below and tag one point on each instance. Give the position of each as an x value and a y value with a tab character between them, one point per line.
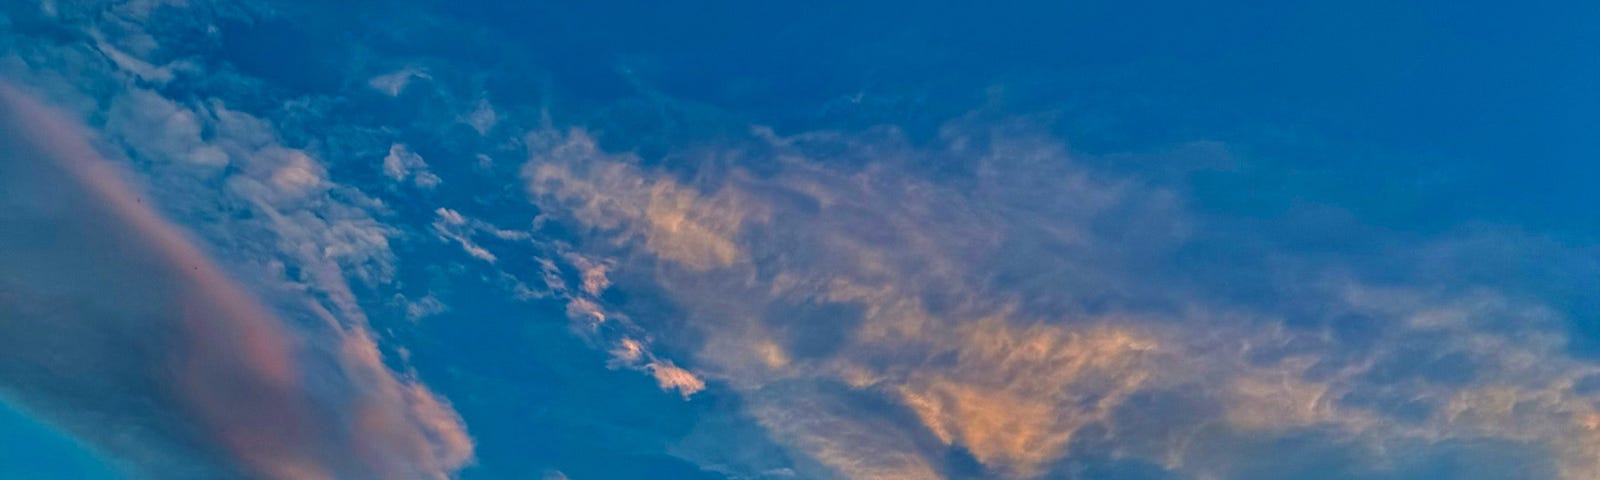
1450	111
545	398
1420	101
34	449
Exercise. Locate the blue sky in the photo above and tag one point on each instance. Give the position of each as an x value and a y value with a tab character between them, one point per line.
736	240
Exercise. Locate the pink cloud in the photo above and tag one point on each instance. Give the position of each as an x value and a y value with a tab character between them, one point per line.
230	367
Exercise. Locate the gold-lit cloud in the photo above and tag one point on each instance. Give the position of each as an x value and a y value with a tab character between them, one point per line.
676	222
971	305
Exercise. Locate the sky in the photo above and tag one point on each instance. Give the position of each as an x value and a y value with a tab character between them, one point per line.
416	239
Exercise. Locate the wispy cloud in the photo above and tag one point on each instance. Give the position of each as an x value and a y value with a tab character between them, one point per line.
976	304
670	377
402	164
1011	313
393	83
674	221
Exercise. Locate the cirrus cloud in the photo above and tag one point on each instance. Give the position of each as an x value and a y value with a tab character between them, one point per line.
1016	314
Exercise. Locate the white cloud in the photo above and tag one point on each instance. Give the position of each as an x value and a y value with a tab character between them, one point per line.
402	164
450	225
159	128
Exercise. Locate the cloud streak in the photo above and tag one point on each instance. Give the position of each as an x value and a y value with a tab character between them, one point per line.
227	378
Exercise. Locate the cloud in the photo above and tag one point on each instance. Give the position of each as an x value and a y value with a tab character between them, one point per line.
675	222
427	306
592	273
976	304
129	63
830	249
452	226
157	127
670	377
482	118
826	426
393	83
402	164
262	394
229	353
1014	397
628	351
1016	311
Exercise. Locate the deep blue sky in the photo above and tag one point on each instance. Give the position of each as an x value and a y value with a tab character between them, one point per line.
716	239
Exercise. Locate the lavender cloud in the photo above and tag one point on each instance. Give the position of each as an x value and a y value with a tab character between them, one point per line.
226	373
